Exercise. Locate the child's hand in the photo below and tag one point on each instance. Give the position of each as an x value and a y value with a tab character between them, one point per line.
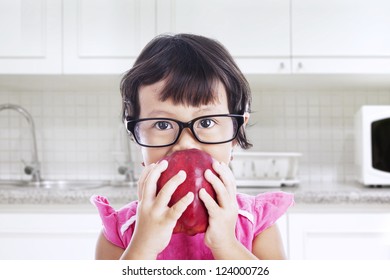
155	220
223	213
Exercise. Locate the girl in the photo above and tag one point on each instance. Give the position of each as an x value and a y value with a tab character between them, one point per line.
193	81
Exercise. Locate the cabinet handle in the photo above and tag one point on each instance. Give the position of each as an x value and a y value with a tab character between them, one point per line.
300	65
281	65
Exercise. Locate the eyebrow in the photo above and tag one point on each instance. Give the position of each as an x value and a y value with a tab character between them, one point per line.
205	109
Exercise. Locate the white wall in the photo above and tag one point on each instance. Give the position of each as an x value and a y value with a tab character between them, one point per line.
79	132
316	123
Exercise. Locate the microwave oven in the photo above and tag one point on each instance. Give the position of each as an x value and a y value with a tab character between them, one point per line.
372	145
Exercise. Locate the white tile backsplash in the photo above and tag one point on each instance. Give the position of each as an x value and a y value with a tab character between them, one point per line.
80	134
77	133
318	124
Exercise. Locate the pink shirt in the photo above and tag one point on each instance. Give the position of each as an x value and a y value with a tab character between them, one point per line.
256	213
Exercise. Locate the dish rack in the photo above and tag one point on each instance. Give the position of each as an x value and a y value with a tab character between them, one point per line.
263	169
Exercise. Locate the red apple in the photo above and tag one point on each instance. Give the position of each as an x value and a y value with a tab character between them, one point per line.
194	162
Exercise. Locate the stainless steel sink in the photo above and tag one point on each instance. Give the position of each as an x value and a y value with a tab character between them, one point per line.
63	184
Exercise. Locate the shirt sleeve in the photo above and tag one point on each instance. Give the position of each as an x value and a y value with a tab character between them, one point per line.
114	221
268	208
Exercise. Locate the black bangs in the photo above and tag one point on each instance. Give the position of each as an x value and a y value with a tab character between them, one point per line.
191	80
189	89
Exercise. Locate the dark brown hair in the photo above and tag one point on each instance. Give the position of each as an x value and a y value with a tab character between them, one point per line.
191	66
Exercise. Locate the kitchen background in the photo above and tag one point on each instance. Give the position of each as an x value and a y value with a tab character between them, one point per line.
311	66
80	134
62	61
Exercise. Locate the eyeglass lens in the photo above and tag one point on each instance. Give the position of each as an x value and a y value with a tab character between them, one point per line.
158	132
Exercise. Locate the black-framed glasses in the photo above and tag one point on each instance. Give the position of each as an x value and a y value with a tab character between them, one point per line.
163	132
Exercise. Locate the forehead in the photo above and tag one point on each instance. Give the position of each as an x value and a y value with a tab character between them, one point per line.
151	104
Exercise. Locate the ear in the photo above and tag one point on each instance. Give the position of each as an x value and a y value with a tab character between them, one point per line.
246	118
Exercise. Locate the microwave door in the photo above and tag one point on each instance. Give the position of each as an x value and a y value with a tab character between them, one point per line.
380	141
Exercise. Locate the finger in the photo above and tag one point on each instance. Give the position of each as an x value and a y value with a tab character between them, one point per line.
150	185
219	188
229	181
227	177
209	202
166	192
179	207
141	181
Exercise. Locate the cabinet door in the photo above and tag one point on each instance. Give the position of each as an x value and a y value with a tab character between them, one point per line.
257	33
103	36
30	37
339	236
340	36
283	229
41	236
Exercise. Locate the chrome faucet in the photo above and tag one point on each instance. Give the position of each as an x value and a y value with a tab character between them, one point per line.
34	168
128	172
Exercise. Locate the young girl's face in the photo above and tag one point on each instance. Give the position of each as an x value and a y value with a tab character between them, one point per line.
151	107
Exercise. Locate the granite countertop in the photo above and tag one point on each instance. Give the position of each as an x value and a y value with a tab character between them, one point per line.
321	193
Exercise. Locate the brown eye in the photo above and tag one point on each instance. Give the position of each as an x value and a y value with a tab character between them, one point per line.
163	125
206	123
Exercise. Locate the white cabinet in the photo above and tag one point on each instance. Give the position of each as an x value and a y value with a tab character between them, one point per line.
30	36
333	36
71	234
48	236
339	236
264	36
257	33
283	229
299	37
73	36
103	36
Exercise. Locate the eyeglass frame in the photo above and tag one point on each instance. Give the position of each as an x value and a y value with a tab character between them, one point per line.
131	123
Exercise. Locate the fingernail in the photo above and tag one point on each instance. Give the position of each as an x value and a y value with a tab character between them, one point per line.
202	190
216	166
